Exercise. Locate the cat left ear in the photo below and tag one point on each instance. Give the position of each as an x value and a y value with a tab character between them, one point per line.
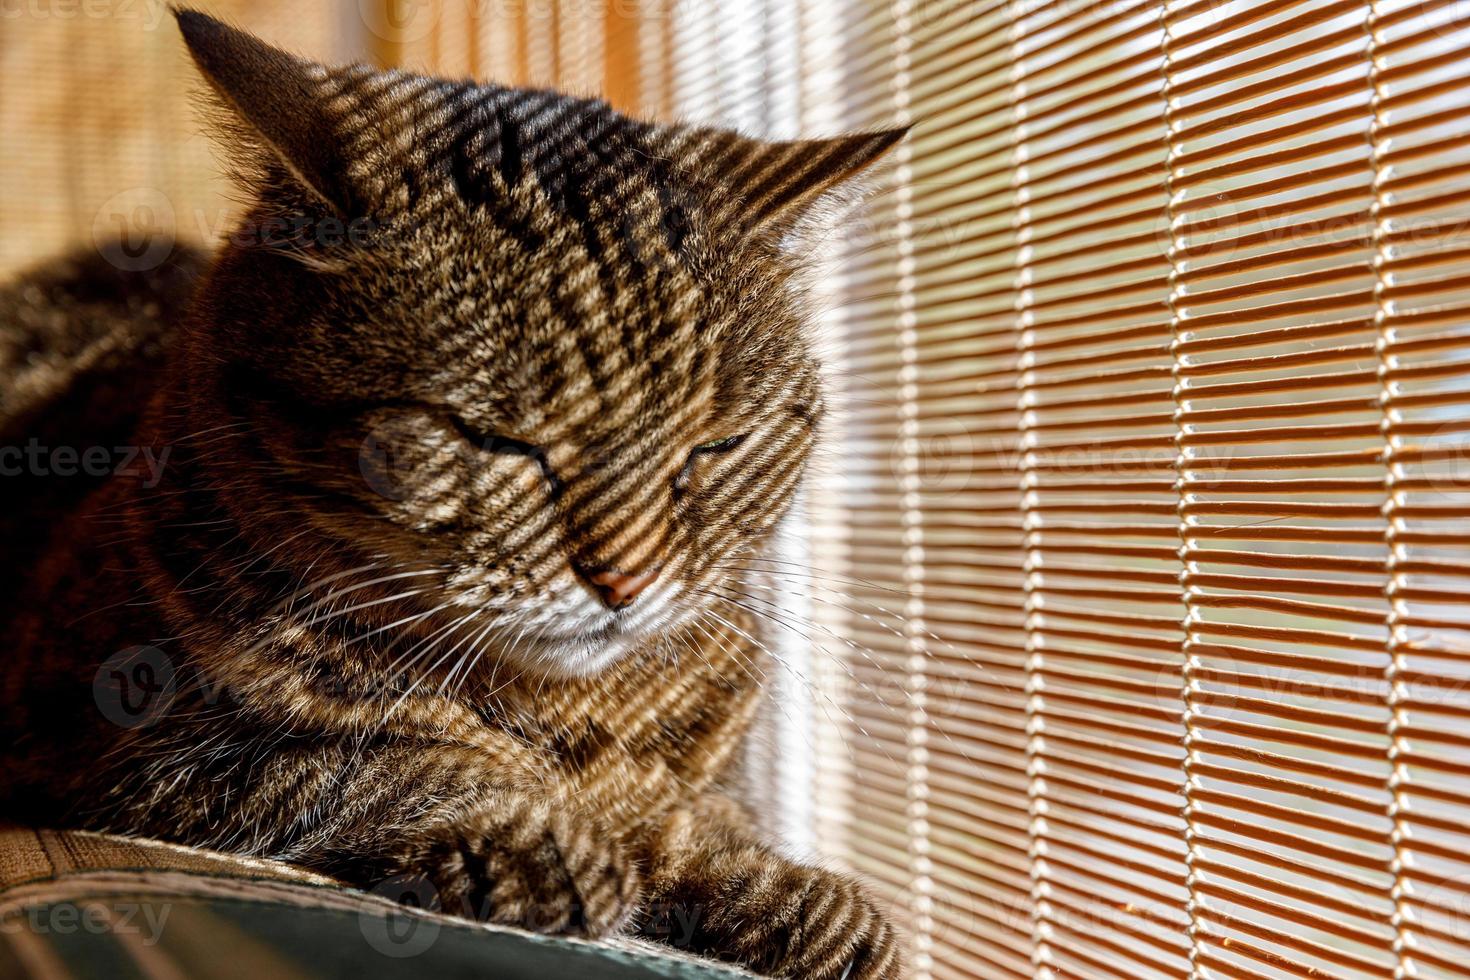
276	95
787	178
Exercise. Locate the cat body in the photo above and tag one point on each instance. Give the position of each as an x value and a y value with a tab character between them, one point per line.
474	432
82	348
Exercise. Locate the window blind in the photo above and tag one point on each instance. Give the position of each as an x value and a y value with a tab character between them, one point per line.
1419	206
1161	468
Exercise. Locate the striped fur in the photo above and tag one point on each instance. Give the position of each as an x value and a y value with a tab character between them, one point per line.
467	346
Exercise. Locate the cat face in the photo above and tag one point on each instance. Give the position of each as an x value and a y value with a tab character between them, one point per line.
540	432
548	359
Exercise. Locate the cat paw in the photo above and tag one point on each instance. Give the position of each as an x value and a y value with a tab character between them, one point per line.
524	864
875	954
779	919
833	930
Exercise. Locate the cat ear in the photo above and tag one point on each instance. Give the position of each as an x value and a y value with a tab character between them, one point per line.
276	96
785	179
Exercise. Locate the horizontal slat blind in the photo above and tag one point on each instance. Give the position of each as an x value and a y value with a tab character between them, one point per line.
1185	640
1102	590
1421	99
1281	487
1142	561
958	330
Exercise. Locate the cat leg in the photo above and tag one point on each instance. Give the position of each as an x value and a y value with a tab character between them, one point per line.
509	857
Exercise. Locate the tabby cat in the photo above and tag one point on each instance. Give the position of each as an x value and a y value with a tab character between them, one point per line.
472	431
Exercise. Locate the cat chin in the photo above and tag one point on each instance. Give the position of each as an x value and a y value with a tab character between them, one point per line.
573	658
579	660
570	635
596	648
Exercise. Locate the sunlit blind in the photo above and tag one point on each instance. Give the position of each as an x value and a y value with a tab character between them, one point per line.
1420	207
1282	488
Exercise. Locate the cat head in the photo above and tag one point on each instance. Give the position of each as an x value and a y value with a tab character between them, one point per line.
545	359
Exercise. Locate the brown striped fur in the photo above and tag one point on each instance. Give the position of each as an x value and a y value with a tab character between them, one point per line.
471	346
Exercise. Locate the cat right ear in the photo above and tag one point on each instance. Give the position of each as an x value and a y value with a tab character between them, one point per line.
277	98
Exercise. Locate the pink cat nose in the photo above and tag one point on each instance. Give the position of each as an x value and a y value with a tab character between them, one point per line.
618	588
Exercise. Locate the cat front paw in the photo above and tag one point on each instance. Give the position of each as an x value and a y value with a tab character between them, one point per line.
777	918
524	864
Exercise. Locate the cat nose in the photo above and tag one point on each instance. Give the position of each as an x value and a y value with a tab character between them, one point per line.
618	588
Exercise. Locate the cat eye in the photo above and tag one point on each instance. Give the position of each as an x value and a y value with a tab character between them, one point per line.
719	445
712	448
508	446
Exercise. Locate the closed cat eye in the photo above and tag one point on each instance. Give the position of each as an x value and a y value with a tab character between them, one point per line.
719	445
711	448
507	446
